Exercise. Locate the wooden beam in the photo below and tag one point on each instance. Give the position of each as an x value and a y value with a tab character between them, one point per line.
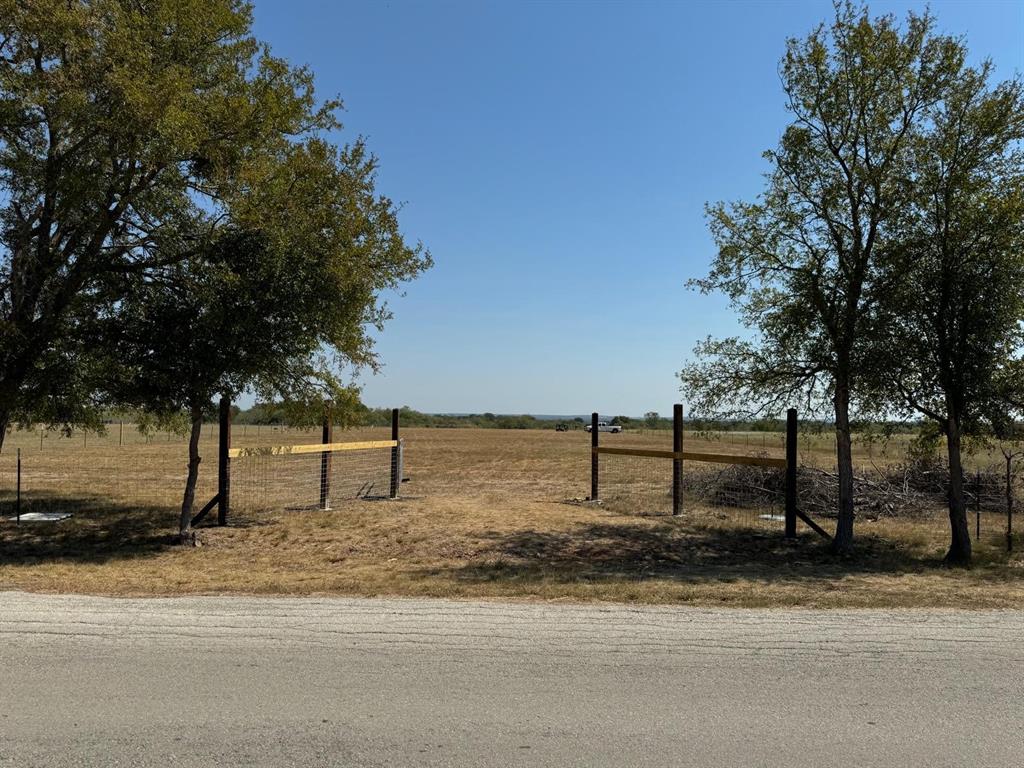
651	453
289	450
715	458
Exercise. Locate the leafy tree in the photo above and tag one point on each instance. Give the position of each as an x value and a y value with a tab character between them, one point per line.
955	325
124	128
804	265
651	419
279	307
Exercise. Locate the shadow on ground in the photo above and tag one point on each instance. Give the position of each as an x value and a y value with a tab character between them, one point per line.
599	552
97	531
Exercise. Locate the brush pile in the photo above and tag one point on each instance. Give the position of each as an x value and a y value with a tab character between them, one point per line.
917	487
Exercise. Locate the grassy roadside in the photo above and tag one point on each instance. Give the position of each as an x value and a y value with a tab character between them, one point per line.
460	548
486	518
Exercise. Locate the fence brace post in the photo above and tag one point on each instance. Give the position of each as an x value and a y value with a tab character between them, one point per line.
677	462
224	462
395	469
327	436
594	465
791	473
17	503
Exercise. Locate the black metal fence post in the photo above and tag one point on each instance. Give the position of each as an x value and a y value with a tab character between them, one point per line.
791	432
224	462
395	479
594	467
677	461
326	437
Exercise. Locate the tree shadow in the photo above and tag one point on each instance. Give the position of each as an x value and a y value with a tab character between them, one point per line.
681	552
98	531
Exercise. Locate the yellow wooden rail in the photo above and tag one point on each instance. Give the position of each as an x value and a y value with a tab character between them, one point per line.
716	458
291	450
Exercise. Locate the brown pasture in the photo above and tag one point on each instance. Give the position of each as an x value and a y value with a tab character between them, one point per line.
486	513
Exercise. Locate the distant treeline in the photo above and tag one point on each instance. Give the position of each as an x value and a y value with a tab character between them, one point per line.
269	413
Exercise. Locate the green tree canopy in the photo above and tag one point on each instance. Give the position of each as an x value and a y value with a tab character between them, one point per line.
125	130
804	264
278	302
953	328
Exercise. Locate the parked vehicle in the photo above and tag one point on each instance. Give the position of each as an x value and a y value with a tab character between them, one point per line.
604	426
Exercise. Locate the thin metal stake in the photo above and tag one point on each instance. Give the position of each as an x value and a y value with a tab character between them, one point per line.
977	506
17	503
1009	503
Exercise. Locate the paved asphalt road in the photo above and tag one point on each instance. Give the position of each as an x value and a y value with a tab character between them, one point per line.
233	681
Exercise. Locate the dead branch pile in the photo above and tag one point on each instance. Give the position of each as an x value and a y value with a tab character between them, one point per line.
914	488
917	487
736	485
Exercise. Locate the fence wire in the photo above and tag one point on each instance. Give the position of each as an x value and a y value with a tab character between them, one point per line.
635	485
311	481
732	494
138	478
102	475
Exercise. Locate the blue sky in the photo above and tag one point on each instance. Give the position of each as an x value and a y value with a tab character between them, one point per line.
556	159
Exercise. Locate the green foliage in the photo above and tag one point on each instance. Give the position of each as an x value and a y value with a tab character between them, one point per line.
806	264
802	264
953	325
924	448
953	328
125	131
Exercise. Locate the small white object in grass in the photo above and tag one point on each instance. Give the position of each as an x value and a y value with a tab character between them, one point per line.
41	517
772	517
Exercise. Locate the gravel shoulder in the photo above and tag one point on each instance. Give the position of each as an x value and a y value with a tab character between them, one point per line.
281	682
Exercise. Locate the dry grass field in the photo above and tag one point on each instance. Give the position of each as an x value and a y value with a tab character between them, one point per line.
486	513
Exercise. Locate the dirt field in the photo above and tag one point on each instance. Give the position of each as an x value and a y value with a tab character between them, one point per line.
486	513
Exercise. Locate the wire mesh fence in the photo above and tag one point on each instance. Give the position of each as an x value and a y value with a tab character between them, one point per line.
994	498
264	482
918	491
142	477
731	494
500	469
636	485
102	475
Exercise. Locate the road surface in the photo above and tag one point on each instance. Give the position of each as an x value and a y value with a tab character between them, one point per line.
88	681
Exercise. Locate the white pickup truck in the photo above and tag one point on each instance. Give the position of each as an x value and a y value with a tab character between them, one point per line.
604	426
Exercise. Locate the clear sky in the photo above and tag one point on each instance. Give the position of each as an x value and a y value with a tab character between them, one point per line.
556	158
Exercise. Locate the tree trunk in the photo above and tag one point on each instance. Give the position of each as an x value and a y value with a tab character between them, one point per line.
960	536
5	419
843	541
187	503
